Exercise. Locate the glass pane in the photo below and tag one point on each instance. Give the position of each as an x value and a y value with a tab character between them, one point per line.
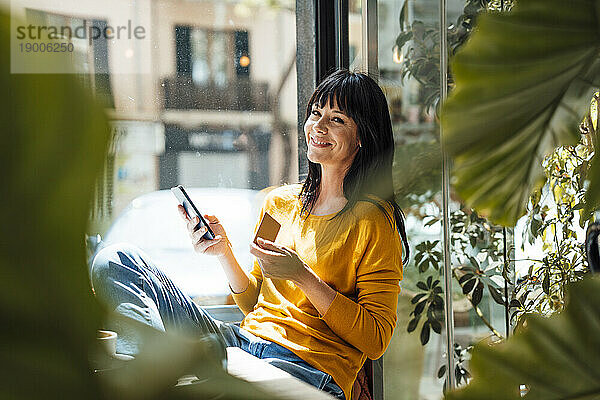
410	78
477	249
409	64
200	93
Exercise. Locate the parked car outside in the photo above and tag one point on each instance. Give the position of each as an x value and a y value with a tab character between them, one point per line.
151	222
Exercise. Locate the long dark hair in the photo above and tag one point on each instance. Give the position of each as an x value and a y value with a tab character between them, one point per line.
360	98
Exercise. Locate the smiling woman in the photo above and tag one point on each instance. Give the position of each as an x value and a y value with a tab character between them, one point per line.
322	297
349	112
329	128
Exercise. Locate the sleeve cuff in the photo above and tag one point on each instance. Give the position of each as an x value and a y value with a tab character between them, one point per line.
341	314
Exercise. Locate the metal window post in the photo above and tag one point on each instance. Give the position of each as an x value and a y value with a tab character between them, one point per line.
370	43
342	45
306	76
322	46
448	309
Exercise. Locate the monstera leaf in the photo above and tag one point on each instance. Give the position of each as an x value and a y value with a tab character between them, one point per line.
552	358
524	81
54	137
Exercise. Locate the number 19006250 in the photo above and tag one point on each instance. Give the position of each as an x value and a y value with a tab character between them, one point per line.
46	47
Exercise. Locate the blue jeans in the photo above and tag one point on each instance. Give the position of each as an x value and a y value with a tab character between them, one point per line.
125	278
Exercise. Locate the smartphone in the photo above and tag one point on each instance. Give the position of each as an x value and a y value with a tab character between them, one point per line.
192	211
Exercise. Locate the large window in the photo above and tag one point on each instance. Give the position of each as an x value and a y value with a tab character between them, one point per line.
205	96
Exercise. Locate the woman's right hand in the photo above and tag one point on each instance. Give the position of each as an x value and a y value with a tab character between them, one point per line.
215	247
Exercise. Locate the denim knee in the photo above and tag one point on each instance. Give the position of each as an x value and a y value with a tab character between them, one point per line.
107	259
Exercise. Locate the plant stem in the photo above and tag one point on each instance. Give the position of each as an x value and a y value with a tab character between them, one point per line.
525	259
485	321
505	274
479	313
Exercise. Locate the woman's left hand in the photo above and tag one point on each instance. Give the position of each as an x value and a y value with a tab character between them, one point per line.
278	261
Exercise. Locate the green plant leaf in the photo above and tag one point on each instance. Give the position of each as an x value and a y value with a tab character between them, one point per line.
425	331
474	262
418	297
496	295
468	286
441	371
432	222
515	303
53	141
402	38
420	307
523	84
546	283
477	294
465	278
438	302
436	326
556	357
412	324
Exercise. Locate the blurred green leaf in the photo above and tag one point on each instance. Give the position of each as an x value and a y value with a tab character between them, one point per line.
523	84
54	140
514	303
417	170
164	358
556	357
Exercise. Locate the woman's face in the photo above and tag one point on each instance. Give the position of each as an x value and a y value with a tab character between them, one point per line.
331	135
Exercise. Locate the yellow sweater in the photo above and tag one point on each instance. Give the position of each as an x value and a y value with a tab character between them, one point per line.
360	256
